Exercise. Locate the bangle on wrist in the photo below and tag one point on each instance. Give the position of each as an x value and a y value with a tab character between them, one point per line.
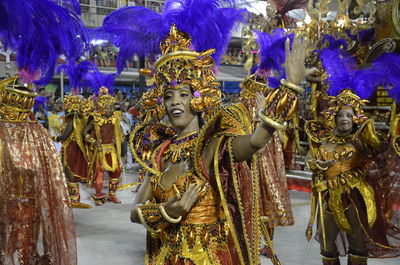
167	217
292	86
270	122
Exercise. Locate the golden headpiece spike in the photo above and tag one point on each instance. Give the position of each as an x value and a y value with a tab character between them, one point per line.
346	99
16	101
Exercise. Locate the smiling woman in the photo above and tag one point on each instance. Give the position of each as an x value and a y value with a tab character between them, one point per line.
200	199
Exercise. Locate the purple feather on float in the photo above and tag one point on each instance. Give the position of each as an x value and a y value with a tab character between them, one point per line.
334	43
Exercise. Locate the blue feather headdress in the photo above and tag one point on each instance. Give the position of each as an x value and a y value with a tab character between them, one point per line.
42	33
96	79
272	55
76	74
343	72
138	30
388	68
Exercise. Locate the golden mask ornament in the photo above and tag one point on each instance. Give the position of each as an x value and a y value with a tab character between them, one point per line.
16	101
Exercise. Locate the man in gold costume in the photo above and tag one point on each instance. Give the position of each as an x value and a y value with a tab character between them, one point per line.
103	135
73	152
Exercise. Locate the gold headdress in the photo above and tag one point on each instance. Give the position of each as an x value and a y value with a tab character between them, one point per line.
73	103
104	99
253	84
87	105
15	104
179	65
346	99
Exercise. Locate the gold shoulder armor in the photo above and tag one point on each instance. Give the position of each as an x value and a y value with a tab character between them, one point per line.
316	131
367	134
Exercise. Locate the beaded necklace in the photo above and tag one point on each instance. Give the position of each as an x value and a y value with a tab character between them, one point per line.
181	148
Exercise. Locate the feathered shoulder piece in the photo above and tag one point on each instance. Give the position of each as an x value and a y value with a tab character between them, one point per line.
145	141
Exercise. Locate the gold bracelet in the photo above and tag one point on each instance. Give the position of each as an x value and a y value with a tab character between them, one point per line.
169	218
270	122
292	86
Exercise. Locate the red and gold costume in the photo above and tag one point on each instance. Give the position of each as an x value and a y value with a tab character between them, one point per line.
348	191
35	208
275	207
73	152
107	132
223	226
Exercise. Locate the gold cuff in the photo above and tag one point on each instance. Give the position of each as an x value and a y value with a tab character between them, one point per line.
270	122
169	218
292	86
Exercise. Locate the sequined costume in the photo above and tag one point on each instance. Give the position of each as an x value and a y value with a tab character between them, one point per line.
107	156
73	152
349	191
36	223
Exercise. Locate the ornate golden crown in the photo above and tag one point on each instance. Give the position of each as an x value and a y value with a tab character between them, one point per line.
346	99
179	65
104	98
73	103
87	105
15	103
253	84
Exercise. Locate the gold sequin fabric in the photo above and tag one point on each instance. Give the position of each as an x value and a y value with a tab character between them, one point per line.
36	223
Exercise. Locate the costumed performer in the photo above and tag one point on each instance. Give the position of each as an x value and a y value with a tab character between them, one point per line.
275	207
343	145
103	134
200	201
36	222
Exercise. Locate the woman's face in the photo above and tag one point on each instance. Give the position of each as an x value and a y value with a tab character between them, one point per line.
177	106
344	120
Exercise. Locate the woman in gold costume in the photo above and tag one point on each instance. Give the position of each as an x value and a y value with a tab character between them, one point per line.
350	199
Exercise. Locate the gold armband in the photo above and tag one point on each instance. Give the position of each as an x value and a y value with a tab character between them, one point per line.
280	105
292	86
169	218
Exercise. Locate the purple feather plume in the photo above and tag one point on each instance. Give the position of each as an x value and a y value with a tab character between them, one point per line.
39	101
138	30
48	30
76	74
96	79
272	49
388	64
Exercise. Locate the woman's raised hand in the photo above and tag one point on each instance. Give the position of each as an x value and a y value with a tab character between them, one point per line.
294	63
